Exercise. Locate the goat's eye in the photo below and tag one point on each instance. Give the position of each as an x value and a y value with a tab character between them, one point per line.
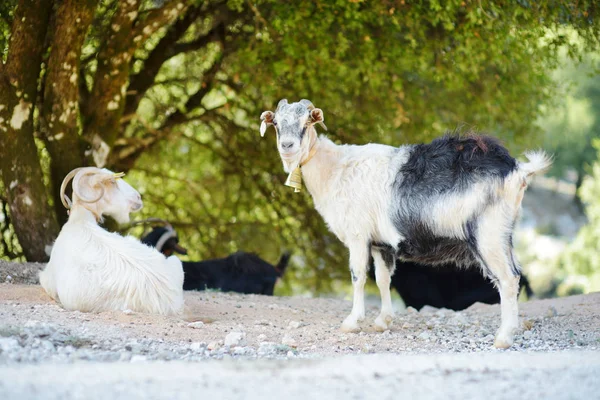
274	123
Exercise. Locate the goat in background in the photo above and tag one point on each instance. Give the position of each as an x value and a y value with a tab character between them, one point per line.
93	270
444	286
239	272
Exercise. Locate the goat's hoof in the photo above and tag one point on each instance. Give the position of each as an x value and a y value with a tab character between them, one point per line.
382	323
502	343
350	326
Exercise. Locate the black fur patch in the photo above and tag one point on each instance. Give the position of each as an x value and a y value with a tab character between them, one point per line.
388	254
450	164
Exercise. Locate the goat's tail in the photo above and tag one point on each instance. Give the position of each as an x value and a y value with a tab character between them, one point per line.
539	162
283	262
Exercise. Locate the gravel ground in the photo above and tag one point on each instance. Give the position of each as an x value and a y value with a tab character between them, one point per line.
297	340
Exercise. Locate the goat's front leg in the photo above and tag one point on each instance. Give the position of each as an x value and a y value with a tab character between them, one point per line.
359	258
384	269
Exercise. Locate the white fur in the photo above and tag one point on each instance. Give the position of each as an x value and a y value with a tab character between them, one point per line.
92	270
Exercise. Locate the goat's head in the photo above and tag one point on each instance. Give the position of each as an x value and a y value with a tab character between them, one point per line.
292	123
102	192
164	239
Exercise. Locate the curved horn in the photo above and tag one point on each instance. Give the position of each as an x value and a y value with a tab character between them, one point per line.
63	197
308	104
90	171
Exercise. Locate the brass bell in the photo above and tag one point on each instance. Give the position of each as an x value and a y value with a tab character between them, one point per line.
294	180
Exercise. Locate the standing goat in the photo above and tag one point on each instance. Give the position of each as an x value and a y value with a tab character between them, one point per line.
239	272
445	286
453	200
93	270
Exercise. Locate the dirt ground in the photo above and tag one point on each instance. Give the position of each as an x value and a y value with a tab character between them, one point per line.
245	341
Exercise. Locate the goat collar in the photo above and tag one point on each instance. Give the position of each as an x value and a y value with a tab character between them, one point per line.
312	150
170	233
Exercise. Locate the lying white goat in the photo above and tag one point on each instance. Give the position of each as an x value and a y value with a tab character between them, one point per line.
453	200
93	270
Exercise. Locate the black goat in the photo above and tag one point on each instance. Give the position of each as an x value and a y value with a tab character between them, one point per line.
444	286
239	272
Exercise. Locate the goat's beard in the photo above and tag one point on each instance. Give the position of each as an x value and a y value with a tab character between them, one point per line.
290	164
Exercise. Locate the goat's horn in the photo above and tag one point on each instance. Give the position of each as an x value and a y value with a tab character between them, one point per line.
308	104
63	197
91	171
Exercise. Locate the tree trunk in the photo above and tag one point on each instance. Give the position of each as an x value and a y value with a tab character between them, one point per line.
32	216
60	109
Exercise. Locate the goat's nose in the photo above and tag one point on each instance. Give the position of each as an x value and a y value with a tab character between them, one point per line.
287	145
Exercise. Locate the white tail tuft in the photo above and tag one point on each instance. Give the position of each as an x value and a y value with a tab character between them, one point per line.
539	162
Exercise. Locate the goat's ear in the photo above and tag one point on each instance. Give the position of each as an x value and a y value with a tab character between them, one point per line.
316	117
267	119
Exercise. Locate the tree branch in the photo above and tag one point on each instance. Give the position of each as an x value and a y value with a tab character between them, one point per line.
156	19
165	49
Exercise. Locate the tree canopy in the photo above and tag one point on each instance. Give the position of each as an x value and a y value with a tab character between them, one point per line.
171	91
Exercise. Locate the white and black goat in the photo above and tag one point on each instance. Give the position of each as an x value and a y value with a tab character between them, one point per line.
456	199
94	270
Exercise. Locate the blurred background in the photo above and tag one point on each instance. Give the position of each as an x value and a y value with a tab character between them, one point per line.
170	92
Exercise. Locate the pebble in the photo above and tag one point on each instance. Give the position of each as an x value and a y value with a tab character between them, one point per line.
289	341
294	325
213	346
196	346
551	312
235	338
196	325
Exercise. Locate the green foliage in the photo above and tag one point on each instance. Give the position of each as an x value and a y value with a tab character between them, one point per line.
388	71
6	18
582	256
570	123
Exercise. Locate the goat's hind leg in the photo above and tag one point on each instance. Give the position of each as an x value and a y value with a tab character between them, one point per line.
359	259
497	258
384	269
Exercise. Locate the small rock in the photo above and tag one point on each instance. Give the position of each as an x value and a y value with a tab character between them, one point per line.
196	325
407	325
48	345
428	309
262	337
213	346
8	344
289	341
411	310
527	324
551	312
424	335
290	353
294	325
138	358
235	339
527	335
128	311
196	346
9	279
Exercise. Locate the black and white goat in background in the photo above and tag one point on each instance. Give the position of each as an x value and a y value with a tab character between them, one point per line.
239	272
456	199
